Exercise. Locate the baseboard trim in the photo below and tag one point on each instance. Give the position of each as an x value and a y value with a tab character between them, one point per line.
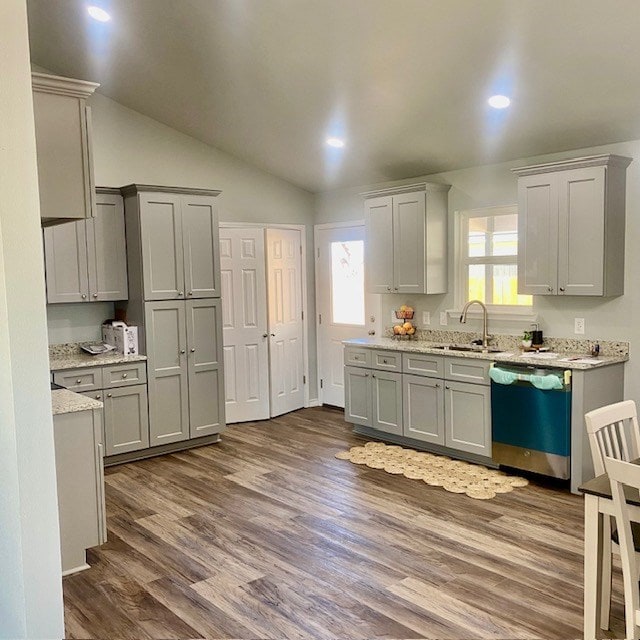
314	403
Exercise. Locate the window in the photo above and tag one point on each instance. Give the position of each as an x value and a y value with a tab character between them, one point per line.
489	257
347	282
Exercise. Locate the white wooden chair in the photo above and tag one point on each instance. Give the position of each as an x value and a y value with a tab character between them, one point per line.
624	474
613	432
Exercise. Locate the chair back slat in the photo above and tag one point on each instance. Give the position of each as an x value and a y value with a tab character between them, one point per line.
621	474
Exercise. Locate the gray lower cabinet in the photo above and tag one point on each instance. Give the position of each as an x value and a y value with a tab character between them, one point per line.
468	417
423	401
386	397
357	397
186	385
126	421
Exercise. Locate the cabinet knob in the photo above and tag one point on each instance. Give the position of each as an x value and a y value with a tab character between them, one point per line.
98	397
395	288
190	293
79	381
193	350
180	293
437	386
124	375
550	289
446	387
84	296
372	332
95	295
109	395
273	335
562	289
388	288
265	335
182	351
373	375
366	375
384	361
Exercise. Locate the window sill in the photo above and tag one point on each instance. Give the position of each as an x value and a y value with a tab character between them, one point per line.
521	316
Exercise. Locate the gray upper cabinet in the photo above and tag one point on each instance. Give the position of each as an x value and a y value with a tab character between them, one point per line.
63	144
175	248
406	239
572	227
166	333
86	261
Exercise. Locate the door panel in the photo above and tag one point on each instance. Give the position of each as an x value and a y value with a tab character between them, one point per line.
387	401
285	320
107	250
379	244
165	324
581	232
126	419
357	408
65	249
409	243
538	234
468	417
206	386
345	309
423	408
201	247
244	324
162	247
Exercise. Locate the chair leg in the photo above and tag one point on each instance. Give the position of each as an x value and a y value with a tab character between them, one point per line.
605	585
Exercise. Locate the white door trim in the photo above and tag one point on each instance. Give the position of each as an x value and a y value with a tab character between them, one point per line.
305	308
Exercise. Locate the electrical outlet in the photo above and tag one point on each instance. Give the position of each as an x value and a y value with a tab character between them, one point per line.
578	326
426	317
443	318
394	320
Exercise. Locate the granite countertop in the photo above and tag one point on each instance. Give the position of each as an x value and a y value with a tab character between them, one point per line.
82	359
65	401
511	356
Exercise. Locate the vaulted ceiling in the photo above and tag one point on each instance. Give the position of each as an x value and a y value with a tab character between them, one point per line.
404	82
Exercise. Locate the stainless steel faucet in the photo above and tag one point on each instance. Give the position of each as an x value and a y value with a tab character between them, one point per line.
463	319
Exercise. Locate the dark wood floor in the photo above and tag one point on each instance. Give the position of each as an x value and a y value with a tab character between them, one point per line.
267	535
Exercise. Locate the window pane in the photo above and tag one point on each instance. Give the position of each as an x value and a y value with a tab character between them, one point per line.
347	282
504	239
505	286
478	237
477	282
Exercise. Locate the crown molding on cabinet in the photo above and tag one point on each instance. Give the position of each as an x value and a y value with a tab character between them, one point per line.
605	159
58	85
112	191
132	189
407	188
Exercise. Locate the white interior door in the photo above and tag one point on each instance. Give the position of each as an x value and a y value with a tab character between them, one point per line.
345	311
286	360
244	322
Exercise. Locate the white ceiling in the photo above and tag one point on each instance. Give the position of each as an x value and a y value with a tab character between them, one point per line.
404	81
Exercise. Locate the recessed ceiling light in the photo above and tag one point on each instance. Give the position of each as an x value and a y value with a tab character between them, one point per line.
99	14
338	143
499	102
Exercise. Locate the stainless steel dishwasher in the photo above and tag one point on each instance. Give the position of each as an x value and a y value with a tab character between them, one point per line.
531	419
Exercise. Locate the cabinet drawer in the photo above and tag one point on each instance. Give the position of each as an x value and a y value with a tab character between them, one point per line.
387	361
357	357
467	370
423	364
123	375
85	379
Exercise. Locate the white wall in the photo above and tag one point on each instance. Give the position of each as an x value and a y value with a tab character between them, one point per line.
30	568
606	319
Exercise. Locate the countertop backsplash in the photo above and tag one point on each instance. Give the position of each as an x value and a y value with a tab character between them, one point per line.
514	343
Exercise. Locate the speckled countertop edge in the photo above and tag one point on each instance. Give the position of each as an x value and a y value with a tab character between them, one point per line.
70	356
417	346
65	401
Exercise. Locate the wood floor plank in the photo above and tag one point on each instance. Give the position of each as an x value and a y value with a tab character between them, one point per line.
268	535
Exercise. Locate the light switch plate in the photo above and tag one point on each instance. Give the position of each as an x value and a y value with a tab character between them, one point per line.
443	318
578	326
426	317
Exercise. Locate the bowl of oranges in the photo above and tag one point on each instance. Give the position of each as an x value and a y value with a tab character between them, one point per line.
404	329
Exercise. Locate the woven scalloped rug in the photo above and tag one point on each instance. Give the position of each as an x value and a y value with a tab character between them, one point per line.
456	476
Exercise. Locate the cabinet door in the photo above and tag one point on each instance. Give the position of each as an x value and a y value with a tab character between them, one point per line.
126	419
386	397
206	384
468	417
423	402
166	334
379	244
357	396
538	234
201	247
107	250
581	232
409	243
162	248
65	251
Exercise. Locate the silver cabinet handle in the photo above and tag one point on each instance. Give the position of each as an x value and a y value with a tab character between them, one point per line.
550	289
98	397
95	295
79	381
373	375
562	289
273	335
395	288
124	375
84	295
181	293
384	361
388	288
108	395
182	351
446	387
193	350
265	335
190	293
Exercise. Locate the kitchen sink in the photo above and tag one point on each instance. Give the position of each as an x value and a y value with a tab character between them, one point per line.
471	348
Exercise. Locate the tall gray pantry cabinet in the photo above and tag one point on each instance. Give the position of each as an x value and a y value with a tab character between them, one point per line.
174	297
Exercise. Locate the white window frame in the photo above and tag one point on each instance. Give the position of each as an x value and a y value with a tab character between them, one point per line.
496	311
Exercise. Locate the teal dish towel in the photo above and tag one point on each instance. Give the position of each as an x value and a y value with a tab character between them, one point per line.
501	376
545	383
